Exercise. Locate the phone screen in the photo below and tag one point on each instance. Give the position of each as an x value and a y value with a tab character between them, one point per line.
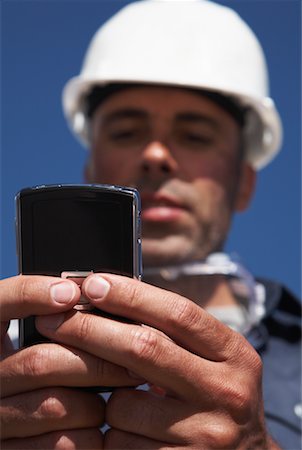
77	229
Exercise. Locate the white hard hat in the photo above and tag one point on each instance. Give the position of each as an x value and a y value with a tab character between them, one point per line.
189	43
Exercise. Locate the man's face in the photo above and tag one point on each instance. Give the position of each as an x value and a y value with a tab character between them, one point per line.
181	151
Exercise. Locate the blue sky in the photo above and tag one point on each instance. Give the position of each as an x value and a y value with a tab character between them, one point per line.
43	43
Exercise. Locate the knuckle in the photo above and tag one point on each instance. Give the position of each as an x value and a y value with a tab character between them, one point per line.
131	294
236	346
84	328
25	287
239	400
184	313
86	438
245	358
144	345
256	363
253	362
35	362
52	407
223	435
64	442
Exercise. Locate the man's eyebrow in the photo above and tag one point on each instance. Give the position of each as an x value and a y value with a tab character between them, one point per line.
137	113
194	117
126	113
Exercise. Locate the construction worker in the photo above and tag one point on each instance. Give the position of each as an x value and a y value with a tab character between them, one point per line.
179	109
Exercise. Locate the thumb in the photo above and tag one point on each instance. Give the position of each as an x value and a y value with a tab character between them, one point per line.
26	295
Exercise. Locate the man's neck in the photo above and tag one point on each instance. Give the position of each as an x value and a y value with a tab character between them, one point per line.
205	290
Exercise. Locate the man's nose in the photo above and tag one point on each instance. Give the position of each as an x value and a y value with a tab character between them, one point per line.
157	159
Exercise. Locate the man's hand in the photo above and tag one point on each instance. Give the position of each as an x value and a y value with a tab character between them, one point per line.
41	406
206	378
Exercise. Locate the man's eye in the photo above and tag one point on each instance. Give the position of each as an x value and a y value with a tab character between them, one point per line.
197	139
126	135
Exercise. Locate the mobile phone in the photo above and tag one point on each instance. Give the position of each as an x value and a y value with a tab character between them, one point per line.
72	230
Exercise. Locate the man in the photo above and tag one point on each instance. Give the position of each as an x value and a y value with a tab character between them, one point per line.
188	128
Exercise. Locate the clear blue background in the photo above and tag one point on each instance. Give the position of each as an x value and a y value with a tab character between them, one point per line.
43	43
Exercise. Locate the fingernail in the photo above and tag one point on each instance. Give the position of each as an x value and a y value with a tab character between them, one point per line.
50	322
96	288
63	292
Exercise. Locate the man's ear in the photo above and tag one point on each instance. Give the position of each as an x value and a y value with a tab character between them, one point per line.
246	187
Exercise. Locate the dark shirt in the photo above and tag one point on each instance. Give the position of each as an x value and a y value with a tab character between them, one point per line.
278	341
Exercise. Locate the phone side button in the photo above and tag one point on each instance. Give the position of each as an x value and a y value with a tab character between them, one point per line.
139	227
140	259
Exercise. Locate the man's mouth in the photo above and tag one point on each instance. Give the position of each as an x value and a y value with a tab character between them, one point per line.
158	207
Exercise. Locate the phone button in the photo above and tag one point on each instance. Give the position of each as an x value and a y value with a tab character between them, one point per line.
140	259
139	227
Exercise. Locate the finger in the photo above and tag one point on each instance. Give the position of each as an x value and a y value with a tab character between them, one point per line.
53	365
86	439
25	295
140	349
181	319
50	409
117	439
163	419
153	416
177	424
